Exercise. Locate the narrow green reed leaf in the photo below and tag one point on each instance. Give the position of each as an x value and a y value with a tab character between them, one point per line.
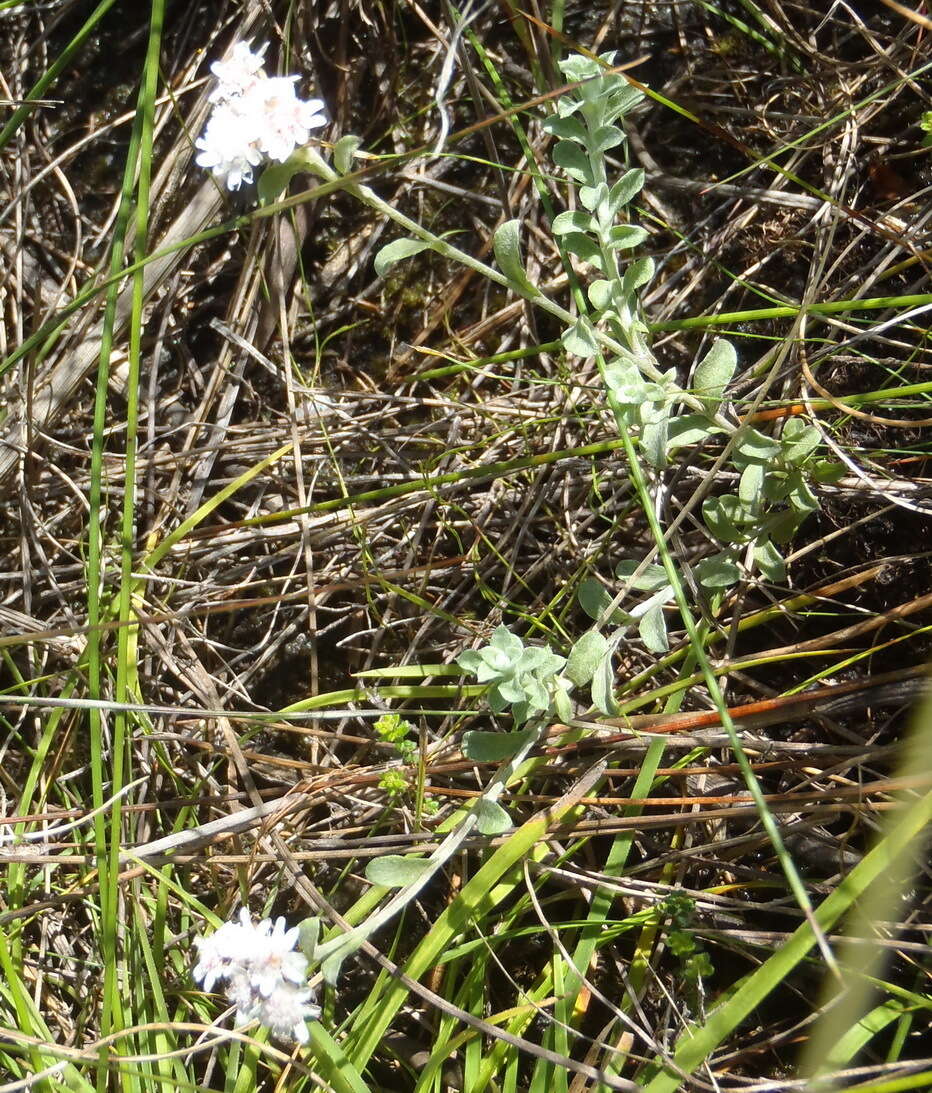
332	1064
861	961
921	1081
696	1044
790	311
475	902
48	78
856	1038
116	1007
29	1020
191	522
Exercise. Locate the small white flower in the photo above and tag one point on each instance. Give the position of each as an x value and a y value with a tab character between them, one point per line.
273	958
220	954
229	146
238	74
286	1012
266	978
247	1001
255	117
283	120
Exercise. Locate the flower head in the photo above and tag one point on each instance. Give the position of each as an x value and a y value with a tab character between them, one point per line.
266	979
255	117
238	74
220	954
274	957
286	119
228	147
285	1011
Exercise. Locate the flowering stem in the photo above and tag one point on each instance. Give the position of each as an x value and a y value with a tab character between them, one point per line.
315	163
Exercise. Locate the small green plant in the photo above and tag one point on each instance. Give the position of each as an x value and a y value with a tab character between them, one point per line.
774	496
526	678
925	124
695	962
643	397
393	783
649	405
658	418
393	729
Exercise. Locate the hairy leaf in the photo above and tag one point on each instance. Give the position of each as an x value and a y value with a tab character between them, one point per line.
574	161
590	197
723	515
562	706
751	484
594	599
579	341
754	447
652	579
630	184
275	178
396	252
584	247
575	221
507	246
770	561
718	571
625	236
600	294
607	137
585	657
493	747
799	441
688	429
344	152
640	272
654	439
602	687
396	870
568	128
714	372
653	630
491	818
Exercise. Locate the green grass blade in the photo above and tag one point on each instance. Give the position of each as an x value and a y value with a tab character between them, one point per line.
478	897
697	1044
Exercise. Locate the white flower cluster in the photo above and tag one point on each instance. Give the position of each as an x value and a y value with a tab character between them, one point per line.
265	978
255	117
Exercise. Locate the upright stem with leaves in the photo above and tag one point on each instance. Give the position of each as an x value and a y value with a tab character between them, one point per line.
655	415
